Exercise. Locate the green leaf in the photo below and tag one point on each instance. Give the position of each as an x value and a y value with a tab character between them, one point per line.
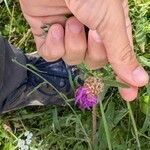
119	115
55	119
115	83
146	124
144	61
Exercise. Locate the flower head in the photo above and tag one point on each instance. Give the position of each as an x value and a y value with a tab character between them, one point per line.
84	99
86	95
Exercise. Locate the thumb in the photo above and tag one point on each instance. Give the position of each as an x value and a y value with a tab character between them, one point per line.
119	49
108	18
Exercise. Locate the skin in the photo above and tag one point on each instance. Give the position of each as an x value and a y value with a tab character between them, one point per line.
109	37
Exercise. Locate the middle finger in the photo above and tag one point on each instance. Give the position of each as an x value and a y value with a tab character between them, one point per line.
75	42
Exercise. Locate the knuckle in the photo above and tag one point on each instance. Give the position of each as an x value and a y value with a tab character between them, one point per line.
75	5
77	52
95	64
96	56
53	55
73	62
48	55
74	56
99	58
40	52
127	55
79	8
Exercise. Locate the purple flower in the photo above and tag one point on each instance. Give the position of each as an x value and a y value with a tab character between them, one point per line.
84	99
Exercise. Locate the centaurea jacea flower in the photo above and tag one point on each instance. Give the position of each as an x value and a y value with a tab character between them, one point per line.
86	95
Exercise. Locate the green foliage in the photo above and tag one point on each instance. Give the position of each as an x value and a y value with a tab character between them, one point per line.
121	126
140	14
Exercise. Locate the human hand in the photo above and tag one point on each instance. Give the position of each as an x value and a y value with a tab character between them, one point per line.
110	19
73	50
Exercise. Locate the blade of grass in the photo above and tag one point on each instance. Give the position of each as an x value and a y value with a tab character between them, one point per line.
147	119
134	126
7	7
35	89
108	137
94	122
71	81
24	38
11	22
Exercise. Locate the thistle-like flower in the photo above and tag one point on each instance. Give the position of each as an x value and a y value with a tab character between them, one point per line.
86	95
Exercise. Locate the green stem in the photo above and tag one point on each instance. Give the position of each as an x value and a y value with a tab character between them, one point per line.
134	125
94	120
7	7
105	126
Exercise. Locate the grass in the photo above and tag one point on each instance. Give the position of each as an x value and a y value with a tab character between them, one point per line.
120	125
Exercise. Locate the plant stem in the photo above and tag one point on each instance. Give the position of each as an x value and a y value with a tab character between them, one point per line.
134	125
105	126
94	121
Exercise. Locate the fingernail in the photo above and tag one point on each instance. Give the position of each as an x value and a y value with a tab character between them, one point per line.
140	76
75	26
57	32
96	36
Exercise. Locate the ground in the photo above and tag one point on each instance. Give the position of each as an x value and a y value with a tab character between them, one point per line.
120	125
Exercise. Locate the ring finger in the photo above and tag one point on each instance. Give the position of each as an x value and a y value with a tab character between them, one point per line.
96	53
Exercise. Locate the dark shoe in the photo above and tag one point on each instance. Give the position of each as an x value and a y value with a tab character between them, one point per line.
18	85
